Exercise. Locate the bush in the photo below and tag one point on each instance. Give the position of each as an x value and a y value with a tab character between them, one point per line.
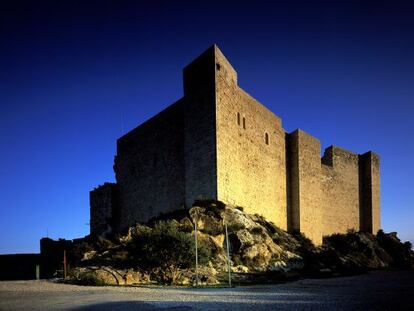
167	248
237	260
212	207
78	251
401	253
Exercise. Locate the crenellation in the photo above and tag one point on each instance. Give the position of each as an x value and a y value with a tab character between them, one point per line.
218	142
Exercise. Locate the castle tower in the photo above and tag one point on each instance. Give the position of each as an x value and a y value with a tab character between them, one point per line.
234	146
218	142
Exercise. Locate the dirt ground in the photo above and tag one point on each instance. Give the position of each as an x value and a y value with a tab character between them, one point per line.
386	290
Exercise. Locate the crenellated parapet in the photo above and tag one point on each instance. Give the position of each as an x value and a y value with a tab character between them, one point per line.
332	194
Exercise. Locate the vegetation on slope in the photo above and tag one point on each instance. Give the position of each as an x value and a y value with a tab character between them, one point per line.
163	251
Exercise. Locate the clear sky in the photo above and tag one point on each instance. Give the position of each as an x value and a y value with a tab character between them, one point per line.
76	75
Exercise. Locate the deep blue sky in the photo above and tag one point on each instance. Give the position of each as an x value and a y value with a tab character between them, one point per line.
75	75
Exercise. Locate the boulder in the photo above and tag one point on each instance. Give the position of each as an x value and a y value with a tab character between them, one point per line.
206	275
206	222
236	220
88	255
255	247
240	269
108	276
257	256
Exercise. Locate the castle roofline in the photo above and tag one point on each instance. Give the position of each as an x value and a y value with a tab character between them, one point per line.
199	76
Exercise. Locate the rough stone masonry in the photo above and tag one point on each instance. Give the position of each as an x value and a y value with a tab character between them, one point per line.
218	142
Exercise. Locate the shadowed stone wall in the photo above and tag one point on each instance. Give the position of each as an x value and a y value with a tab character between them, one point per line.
18	266
103	202
149	167
200	129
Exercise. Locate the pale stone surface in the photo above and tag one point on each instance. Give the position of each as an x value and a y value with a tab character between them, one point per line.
340	188
111	276
250	173
305	186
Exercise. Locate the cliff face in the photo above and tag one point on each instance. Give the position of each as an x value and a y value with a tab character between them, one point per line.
163	250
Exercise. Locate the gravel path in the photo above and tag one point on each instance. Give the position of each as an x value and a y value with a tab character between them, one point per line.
373	291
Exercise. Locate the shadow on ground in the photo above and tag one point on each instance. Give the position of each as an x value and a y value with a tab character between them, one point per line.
129	305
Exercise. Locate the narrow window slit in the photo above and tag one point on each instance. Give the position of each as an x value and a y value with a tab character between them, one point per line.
266	138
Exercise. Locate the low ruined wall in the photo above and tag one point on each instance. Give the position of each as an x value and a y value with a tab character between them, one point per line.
19	266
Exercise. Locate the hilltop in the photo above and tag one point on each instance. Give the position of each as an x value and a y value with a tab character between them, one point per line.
163	251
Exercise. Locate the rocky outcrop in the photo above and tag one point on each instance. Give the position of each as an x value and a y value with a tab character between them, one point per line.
257	248
103	275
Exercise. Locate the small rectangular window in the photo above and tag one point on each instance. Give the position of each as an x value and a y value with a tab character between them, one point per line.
266	138
244	123
238	118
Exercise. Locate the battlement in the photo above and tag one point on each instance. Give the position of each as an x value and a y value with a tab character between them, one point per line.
334	155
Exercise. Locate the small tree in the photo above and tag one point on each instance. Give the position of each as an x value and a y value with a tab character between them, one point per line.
168	249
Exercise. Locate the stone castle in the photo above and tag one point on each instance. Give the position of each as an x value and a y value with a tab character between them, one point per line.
217	142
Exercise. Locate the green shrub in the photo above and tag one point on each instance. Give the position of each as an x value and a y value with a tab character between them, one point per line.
167	248
401	253
78	251
237	261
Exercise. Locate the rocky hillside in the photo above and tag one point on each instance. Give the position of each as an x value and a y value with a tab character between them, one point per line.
163	251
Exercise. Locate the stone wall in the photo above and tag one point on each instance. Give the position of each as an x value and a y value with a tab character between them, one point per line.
200	124
52	256
305	185
149	167
103	203
18	266
370	192
340	191
250	150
